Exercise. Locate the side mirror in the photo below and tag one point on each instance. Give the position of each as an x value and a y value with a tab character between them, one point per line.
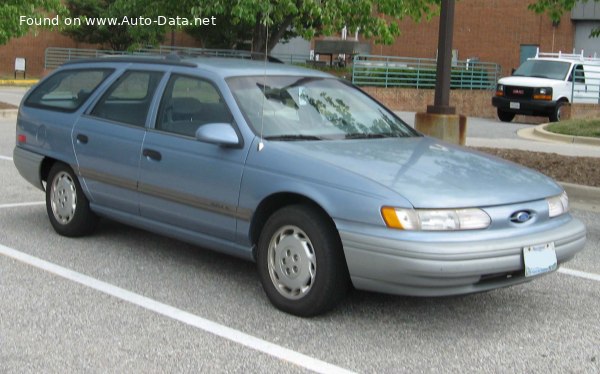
222	134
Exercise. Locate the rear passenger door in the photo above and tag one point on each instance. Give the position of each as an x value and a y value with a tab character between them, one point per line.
185	182
108	140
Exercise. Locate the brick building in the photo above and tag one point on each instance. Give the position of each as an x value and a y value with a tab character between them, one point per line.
500	31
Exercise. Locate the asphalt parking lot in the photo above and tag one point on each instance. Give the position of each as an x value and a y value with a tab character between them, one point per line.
125	300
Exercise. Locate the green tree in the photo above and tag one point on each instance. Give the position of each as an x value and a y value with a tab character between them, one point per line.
12	10
116	37
556	8
248	20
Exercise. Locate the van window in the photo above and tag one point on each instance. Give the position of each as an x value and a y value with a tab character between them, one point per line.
67	90
578	74
128	99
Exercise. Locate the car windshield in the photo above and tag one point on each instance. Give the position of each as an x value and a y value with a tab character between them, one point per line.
311	108
543	69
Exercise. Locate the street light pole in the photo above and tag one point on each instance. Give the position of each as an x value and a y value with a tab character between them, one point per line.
441	104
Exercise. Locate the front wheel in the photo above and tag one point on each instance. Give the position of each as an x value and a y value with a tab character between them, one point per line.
557	112
301	262
505	116
68	208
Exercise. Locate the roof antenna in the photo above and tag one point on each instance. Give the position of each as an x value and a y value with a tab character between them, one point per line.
261	144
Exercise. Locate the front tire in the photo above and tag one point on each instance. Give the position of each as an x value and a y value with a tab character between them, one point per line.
68	208
557	112
301	262
505	116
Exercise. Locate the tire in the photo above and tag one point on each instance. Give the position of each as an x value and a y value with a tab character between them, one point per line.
68	208
556	114
301	263
505	116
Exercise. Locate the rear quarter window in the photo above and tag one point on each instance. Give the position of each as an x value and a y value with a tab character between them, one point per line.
67	90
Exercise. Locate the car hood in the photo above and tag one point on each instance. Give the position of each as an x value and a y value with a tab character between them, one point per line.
430	173
529	82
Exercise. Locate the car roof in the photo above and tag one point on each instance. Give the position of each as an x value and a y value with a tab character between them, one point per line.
222	66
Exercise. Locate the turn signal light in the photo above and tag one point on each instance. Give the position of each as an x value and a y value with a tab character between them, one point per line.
22	138
542	97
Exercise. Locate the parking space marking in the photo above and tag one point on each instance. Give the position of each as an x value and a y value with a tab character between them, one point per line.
17	205
580	274
6	158
174	313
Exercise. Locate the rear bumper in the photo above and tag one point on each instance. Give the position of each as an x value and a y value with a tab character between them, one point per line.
29	165
527	106
441	269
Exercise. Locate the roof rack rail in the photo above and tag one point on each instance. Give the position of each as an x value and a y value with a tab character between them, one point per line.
569	56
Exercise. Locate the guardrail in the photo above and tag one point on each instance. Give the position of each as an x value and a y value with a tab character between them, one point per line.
390	71
54	57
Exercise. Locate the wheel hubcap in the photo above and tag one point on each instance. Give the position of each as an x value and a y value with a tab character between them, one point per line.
292	263
63	198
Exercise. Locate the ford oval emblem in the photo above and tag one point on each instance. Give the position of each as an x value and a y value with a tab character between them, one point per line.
520	217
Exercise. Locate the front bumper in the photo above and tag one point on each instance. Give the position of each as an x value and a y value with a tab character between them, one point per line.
526	106
449	268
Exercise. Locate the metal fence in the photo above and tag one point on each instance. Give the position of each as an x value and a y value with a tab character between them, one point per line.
390	71
54	57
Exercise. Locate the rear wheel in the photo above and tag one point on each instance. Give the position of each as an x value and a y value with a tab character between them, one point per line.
300	261
68	208
557	112
505	116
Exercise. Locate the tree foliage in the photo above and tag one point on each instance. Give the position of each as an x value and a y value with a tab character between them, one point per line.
263	23
115	37
556	8
12	10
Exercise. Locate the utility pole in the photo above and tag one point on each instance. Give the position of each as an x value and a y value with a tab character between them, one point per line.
441	120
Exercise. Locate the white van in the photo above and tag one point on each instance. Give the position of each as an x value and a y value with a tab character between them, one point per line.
542	85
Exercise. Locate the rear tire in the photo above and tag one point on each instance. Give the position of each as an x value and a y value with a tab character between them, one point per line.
505	116
301	263
68	208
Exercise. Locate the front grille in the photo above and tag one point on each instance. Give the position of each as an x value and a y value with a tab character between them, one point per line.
516	92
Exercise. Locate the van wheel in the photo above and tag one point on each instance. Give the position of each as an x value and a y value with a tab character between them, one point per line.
505	116
557	113
301	262
68	208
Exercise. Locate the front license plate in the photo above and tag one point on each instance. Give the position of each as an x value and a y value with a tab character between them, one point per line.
539	259
514	105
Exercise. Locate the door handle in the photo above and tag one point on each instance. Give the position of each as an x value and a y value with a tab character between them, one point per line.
152	154
82	139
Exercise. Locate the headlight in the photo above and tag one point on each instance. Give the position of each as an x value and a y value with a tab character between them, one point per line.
500	90
435	219
542	93
558	205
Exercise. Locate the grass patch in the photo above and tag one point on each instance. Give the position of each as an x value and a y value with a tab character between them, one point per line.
577	127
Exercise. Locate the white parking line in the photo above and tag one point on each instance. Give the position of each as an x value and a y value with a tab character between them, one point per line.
580	274
6	158
228	333
16	205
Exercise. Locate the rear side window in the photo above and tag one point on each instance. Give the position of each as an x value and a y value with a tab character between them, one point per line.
67	90
128	99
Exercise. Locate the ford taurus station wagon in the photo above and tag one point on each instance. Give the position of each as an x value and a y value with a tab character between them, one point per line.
319	184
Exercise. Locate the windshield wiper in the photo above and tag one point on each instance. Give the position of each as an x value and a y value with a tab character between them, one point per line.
292	137
368	136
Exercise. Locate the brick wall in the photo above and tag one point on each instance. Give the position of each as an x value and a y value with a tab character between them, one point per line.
33	46
492	30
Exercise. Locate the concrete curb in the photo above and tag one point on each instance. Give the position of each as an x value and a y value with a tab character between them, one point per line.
9	113
542	132
18	82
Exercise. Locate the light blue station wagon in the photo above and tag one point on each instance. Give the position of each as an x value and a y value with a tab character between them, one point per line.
295	169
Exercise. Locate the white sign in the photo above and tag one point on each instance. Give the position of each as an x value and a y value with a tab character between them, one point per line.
19	64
